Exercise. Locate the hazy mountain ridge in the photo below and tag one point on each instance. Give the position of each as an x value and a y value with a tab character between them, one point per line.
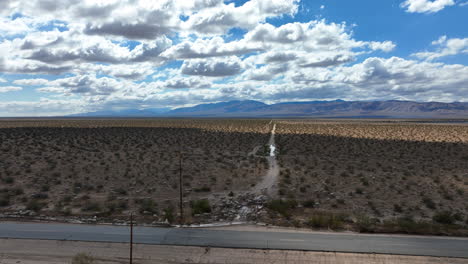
337	108
223	107
125	113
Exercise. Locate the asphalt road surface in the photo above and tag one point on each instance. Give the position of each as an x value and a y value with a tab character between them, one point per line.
335	242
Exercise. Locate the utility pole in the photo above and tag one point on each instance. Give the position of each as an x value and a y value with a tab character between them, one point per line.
131	238
181	195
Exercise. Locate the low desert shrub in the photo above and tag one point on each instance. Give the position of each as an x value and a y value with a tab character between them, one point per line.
82	258
121	191
35	205
147	206
409	226
282	206
366	224
397	208
8	180
309	203
203	189
200	207
359	191
169	215
444	217
429	203
326	220
91	207
4	200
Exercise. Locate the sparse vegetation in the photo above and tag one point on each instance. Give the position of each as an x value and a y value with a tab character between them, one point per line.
309	203
200	207
169	215
444	217
326	220
147	206
379	170
283	207
4	200
82	258
109	167
35	205
370	176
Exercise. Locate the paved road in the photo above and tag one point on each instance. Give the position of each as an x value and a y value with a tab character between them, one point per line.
358	243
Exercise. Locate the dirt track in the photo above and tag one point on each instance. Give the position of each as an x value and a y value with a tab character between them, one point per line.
55	252
268	184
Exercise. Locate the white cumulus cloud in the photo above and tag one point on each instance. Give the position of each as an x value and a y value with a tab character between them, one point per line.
5	89
445	47
426	6
90	55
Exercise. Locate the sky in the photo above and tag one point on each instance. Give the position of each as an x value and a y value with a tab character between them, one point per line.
60	57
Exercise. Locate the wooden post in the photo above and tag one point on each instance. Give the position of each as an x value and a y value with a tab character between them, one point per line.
181	195
131	238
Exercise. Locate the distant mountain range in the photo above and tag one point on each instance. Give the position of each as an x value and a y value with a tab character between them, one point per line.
317	109
125	113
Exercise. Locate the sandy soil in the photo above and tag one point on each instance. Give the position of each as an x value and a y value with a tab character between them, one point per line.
55	252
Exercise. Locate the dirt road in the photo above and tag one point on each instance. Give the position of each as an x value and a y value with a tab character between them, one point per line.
268	185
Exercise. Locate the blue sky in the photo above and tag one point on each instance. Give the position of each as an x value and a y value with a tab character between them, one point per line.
65	57
385	20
